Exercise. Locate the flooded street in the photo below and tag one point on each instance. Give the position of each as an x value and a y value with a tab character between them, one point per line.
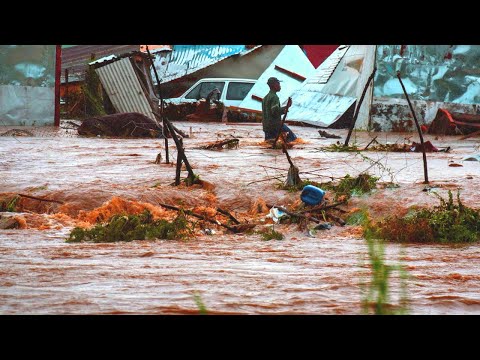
232	274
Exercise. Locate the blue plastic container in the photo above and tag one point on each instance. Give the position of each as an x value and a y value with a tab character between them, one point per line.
312	195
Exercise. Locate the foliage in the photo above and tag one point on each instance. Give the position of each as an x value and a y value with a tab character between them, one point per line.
446	223
201	306
377	290
271	234
93	93
131	227
11	206
347	187
189	181
338	147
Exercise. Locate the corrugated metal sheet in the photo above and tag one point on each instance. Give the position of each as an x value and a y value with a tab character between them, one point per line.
345	79
76	58
26	105
447	73
291	58
317	108
323	103
123	87
27	83
326	69
187	59
446	76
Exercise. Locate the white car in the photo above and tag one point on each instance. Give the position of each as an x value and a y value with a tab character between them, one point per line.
232	91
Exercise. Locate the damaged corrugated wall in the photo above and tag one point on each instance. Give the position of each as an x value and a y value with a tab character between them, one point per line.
435	76
127	82
27	85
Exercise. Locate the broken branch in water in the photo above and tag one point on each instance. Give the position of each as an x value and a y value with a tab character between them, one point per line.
319	208
40	199
370	143
234	228
230	143
230	216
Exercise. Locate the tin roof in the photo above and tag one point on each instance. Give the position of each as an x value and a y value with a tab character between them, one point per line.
332	89
76	58
187	59
291	66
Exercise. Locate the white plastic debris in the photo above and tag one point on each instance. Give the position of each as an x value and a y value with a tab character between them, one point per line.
276	214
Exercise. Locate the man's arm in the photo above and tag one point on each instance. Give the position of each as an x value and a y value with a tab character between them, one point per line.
275	107
284	108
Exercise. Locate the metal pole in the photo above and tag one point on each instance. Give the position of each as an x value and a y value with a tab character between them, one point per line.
167	160
357	109
425	170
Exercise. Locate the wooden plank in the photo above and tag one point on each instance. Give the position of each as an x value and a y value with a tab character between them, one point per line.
290	73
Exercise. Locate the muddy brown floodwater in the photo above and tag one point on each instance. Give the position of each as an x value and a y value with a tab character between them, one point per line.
233	274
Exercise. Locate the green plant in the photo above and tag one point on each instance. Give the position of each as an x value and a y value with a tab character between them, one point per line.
350	186
12	204
445	223
200	305
359	217
377	290
189	181
270	234
338	147
93	95
132	227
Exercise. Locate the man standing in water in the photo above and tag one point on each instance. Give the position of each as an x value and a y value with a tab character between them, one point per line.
272	111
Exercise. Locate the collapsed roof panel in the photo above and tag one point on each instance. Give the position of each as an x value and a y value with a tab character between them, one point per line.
331	90
187	59
291	66
308	103
326	69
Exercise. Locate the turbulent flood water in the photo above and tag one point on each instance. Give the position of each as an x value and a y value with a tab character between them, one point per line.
232	274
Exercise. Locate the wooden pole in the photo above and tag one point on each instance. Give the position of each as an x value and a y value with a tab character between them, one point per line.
58	74
281	124
179	166
66	91
357	109
179	146
167	159
425	170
